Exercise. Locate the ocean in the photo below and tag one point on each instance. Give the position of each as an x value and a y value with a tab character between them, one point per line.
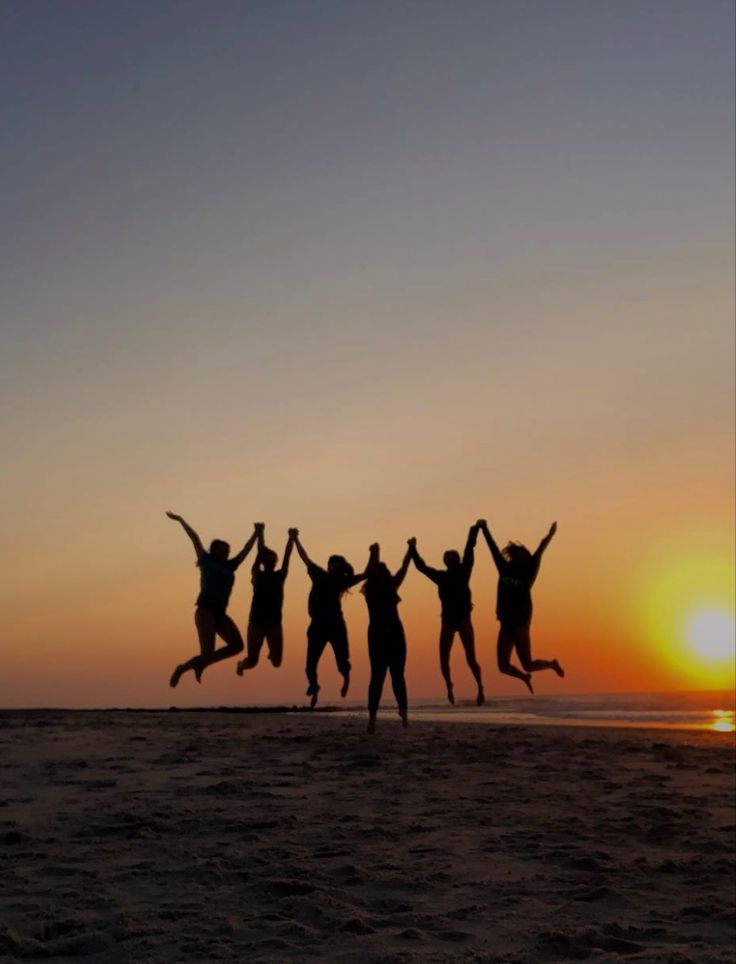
703	710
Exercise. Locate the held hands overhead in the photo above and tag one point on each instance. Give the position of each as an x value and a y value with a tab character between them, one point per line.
259	528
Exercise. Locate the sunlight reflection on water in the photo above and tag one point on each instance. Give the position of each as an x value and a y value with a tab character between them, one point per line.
723	721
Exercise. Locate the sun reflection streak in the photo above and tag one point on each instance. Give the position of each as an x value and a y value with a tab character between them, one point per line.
723	721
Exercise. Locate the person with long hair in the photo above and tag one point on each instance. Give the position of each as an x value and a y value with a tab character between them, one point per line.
327	623
264	622
517	570
386	639
453	584
217	575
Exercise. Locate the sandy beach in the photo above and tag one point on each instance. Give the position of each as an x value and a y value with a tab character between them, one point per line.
214	836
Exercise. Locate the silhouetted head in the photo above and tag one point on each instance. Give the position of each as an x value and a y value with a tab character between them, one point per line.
451	558
269	559
516	553
379	582
339	566
219	549
380	575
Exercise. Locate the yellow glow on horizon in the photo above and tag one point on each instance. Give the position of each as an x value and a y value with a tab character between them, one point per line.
687	613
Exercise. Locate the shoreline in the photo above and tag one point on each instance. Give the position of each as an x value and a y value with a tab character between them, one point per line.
722	730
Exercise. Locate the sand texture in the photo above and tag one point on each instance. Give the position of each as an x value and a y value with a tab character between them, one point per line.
182	836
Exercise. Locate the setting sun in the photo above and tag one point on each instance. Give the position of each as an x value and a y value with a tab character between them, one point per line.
711	634
687	615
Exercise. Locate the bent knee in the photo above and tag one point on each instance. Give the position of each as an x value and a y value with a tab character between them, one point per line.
275	661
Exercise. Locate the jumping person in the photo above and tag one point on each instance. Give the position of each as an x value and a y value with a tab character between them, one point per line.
327	622
264	622
217	575
517	570
386	640
453	584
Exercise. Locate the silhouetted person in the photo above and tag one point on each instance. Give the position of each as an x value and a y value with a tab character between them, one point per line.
517	570
327	623
386	640
453	584
266	608
217	575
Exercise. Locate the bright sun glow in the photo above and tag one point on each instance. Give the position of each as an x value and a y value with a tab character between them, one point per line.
723	721
687	618
712	634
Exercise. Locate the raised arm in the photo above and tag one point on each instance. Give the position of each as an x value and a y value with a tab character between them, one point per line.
469	552
545	542
303	555
421	565
293	533
196	541
373	551
257	536
374	557
400	574
261	540
495	551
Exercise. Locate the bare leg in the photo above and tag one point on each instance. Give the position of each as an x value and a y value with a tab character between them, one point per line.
505	646
379	666
524	650
447	635
316	642
229	632
204	620
255	636
340	647
275	641
467	638
396	666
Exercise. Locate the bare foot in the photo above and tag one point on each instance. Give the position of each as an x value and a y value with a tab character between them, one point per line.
372	725
345	686
450	694
240	667
404	719
198	670
315	693
176	676
528	682
481	698
557	668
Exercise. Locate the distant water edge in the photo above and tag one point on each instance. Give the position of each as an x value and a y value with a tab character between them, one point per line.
697	710
702	710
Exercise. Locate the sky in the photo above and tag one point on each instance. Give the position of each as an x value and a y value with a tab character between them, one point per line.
375	271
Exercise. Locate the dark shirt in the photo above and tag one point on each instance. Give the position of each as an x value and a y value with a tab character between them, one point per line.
453	584
325	594
216	582
268	597
454	591
514	598
383	602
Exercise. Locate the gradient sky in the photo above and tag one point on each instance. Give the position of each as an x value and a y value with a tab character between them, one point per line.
375	270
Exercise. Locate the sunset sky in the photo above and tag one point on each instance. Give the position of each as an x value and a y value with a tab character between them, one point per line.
373	270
